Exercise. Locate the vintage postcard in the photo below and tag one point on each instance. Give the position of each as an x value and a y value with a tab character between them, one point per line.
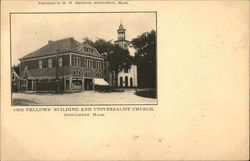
108	64
124	80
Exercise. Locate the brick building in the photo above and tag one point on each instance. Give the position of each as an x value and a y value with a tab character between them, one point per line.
65	65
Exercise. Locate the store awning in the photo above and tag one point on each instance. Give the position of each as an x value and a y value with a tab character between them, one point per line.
101	82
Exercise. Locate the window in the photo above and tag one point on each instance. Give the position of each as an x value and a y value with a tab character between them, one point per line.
40	64
98	65
98	74
77	61
60	62
88	74
88	50
25	67
85	62
77	72
89	63
50	63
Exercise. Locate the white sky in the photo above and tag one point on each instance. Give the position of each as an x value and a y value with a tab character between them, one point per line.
32	31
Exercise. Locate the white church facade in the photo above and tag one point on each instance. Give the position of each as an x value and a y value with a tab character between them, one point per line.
126	78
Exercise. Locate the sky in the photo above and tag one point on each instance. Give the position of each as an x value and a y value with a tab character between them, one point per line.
29	32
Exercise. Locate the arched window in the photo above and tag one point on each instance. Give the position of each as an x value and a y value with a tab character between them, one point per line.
98	74
88	74
77	72
131	82
126	81
121	82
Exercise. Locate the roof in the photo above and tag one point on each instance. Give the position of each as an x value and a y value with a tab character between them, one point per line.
13	71
61	46
121	27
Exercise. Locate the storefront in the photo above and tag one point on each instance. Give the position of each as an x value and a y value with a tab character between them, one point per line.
77	84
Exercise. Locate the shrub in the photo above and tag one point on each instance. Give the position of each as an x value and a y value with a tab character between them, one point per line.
149	93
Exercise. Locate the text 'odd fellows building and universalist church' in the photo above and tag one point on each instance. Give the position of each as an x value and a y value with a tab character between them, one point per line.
68	65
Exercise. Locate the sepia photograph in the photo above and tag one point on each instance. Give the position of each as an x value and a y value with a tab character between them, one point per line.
82	58
124	80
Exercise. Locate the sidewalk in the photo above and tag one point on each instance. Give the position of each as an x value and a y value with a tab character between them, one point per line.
80	98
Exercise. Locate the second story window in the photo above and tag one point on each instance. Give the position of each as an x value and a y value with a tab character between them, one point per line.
77	61
40	64
50	63
25	67
60	62
98	65
89	63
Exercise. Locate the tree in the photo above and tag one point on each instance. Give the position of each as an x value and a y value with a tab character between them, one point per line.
102	46
117	57
16	68
145	58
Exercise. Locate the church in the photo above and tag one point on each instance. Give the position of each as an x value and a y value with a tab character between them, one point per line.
126	78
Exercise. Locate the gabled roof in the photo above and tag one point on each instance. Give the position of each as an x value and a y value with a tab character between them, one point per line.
13	71
61	46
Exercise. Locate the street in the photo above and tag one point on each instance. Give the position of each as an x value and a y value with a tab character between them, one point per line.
80	98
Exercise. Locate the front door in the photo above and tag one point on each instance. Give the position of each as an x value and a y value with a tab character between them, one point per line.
29	85
126	81
67	84
88	84
34	85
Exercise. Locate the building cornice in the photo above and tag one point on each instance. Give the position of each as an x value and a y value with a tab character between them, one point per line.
51	56
121	40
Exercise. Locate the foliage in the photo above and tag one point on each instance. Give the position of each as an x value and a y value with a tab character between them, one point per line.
117	57
102	46
145	58
16	68
150	93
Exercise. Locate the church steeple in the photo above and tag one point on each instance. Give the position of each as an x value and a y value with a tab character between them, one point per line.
121	33
122	42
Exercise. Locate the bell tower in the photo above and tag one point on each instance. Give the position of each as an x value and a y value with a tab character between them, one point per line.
121	33
122	42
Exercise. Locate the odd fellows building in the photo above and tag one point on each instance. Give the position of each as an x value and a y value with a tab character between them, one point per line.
65	65
126	78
